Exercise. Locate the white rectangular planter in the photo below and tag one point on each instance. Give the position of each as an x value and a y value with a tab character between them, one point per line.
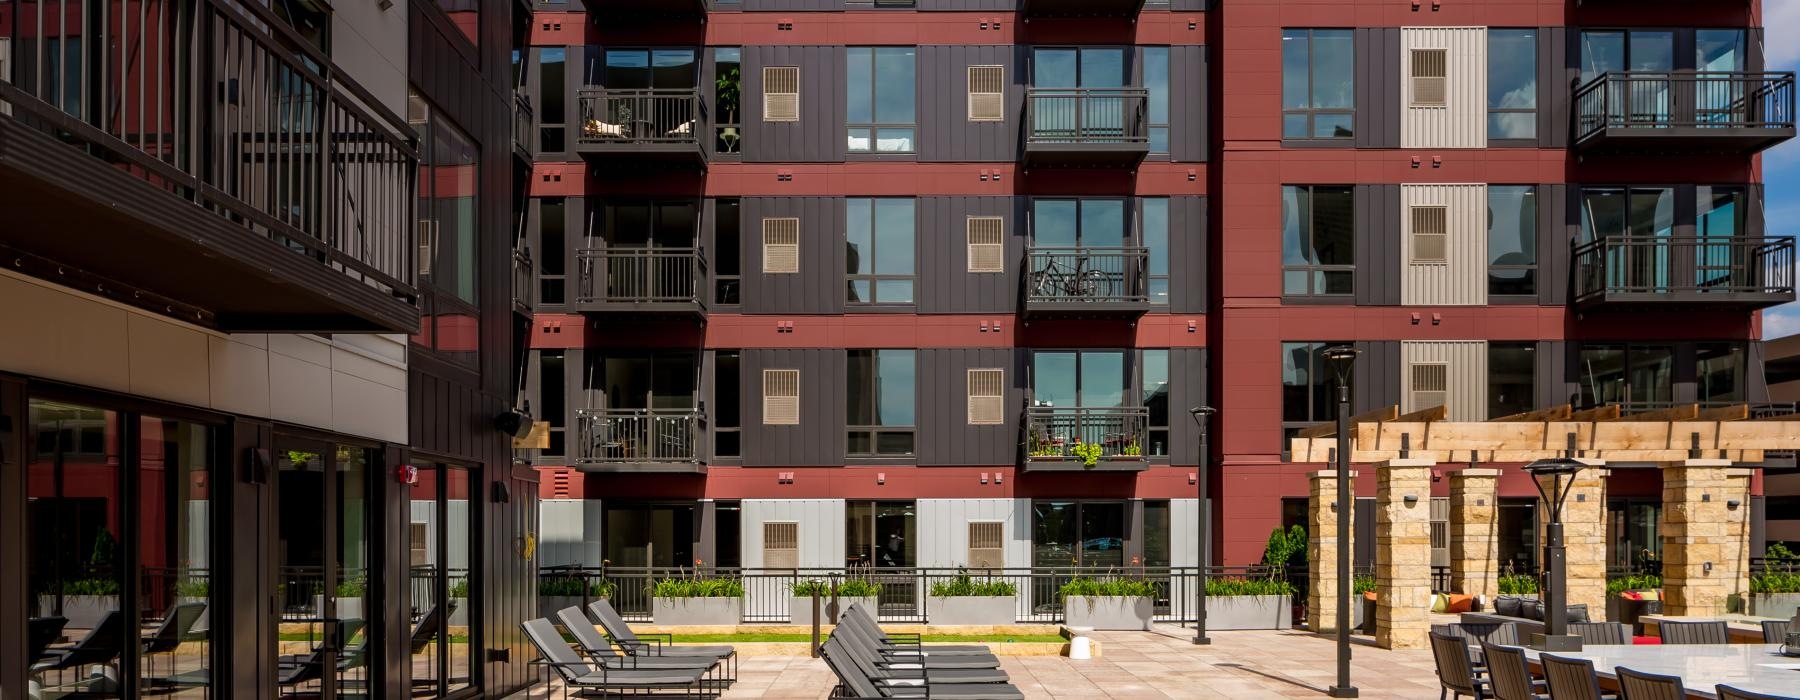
1107	612
800	609
82	611
549	604
459	612
1250	612
971	610
1780	605
710	612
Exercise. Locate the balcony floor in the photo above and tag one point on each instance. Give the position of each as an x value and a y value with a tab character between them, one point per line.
641	467
1682	301
1628	139
138	236
1080	8
1124	464
1076	309
643	309
614	153
1085	155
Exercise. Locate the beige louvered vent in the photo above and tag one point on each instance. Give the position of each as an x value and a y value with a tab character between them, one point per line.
781	397
781	545
1440	531
781	246
987	244
1429	70
987	396
987	93
1430	234
987	545
1430	384
781	94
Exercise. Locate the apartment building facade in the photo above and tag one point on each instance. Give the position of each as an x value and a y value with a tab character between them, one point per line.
935	284
258	335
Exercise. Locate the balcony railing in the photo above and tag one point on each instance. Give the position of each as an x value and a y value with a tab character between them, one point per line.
221	103
642	276
1056	434
1087	116
1735	270
1727	111
1087	276
643	121
638	436
524	279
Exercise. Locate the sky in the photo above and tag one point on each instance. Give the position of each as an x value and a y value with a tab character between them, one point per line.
1781	164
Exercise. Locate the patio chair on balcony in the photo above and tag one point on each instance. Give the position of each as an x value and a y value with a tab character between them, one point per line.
661	644
597	129
853	679
585	678
601	652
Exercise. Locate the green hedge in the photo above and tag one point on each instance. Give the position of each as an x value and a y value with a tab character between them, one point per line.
1228	587
698	587
1516	584
575	587
1110	587
963	586
848	588
1775	582
1636	582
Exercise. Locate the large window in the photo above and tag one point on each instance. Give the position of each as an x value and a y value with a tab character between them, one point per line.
648	534
1318	84
726	408
1641	376
1719	372
1156	241
1512	239
1512	84
1610	50
553	266
1308	387
659	380
1512	378
1627	211
443	520
1156	82
552	402
1156	398
1077	533
727	99
553	96
326	565
727	256
882	97
1084	378
1078	223
1318	241
1088	67
1632	539
449	226
645	69
880	254
881	393
880	534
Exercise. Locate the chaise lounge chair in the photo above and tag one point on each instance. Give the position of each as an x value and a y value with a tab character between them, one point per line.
587	679
602	652
853	682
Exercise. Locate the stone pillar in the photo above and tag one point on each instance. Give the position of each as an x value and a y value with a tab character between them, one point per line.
1696	537
1584	537
1321	551
1737	543
1402	552
1474	540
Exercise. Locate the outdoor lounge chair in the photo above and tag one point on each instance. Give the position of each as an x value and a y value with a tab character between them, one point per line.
888	670
586	678
660	644
296	669
856	616
854	683
903	654
40	633
175	628
101	645
601	652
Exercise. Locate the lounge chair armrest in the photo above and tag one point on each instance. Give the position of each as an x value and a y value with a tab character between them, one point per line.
654	646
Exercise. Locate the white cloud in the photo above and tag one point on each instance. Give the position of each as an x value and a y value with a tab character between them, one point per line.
1781	19
1781	321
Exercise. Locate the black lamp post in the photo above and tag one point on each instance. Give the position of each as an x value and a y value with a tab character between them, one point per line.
1343	361
1557	471
1202	415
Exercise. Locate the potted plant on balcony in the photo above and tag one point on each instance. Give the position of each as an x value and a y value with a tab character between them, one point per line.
459	602
716	601
1776	591
848	592
1088	452
1110	603
558	592
726	87
964	600
1363	609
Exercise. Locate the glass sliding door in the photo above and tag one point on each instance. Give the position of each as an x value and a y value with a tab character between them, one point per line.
323	564
1642	100
442	533
74	481
1719	98
174	543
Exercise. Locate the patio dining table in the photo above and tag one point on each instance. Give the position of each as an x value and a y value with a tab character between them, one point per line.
1755	667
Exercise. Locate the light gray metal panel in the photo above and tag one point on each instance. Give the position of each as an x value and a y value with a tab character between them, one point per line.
1184	535
1188	117
819	136
945	284
1376	382
944	530
1189	274
1553	87
1461	121
1377	237
1466	388
945	132
569	532
1462	278
1187	389
821	529
1190	5
1555	231
819	438
968	5
819	286
945	437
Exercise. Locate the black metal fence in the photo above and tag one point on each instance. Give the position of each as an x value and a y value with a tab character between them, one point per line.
641	275
642	116
1087	115
1087	274
1063	433
639	434
1706	99
1695	265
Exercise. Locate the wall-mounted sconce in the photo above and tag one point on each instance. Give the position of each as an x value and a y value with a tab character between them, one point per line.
1411	499
1706	498
1733	504
1707	567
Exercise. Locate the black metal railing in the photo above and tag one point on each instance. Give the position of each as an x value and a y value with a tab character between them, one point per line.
1085	274
642	116
524	278
524	121
1692	265
618	435
641	275
1087	116
221	103
768	597
1054	433
1720	100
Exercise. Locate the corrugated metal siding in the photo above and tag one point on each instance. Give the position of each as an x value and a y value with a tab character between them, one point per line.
1462	121
945	132
819	136
1188	118
1188	271
944	530
569	532
1466	388
818	441
819	286
1187	388
1184	524
1377	237
945	436
1378	87
1462	278
945	284
821	529
1377	375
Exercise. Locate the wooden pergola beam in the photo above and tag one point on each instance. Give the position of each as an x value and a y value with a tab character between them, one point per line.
1553	413
1724	413
1597	413
1425	415
1640	440
1329	428
1672	413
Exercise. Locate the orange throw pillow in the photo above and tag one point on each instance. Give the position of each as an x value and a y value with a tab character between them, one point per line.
1459	603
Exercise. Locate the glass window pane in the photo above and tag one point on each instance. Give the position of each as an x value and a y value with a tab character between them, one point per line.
1602	213
174	549
1296	225
1102	67
1295	282
1334	69
627	70
1156	534
1053	379
1512	68
1512	125
892	140
72	549
1651	51
1156	234
1652	211
1053	68
860	390
1296	382
861	140
1103	379
859	235
1295	126
1054	530
895	381
894	91
890	443
894	291
1296	62
1721	211
859	89
1334	125
1720	372
1053	223
1601	52
1512	239
1156	387
1102	223
1652	373
894	236
1102	534
673	69
1512	373
1156	82
1334	226
1719	50
1602	374
552	89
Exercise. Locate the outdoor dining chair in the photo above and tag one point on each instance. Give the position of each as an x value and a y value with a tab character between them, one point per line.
1455	670
1572	679
585	678
1726	692
602	652
1601	632
1509	674
1694	632
1775	631
1637	685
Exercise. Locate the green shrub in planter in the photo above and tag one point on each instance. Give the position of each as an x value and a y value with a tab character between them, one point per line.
963	586
698	587
1233	586
192	588
1635	582
1517	584
91	586
571	587
848	588
1362	583
1110	588
1775	582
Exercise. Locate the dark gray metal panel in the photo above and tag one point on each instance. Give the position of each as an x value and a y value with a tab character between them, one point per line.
1554	234
1685	211
1188	271
1553	87
1187	389
945	132
1377	244
945	284
818	440
1756	384
13	557
1363	533
819	135
1376	382
1547	381
1188	118
945	437
819	286
1754	224
1759	533
1753	56
1378	87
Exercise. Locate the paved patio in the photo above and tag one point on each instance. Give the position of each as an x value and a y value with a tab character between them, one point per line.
1238	666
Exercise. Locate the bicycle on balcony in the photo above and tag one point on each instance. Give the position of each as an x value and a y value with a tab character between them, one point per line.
1057	280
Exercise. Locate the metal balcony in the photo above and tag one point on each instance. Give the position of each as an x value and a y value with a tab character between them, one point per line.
1684	112
1086	127
218	167
643	125
642	281
1057	439
1086	282
1705	272
524	281
648	9
643	440
1080	8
